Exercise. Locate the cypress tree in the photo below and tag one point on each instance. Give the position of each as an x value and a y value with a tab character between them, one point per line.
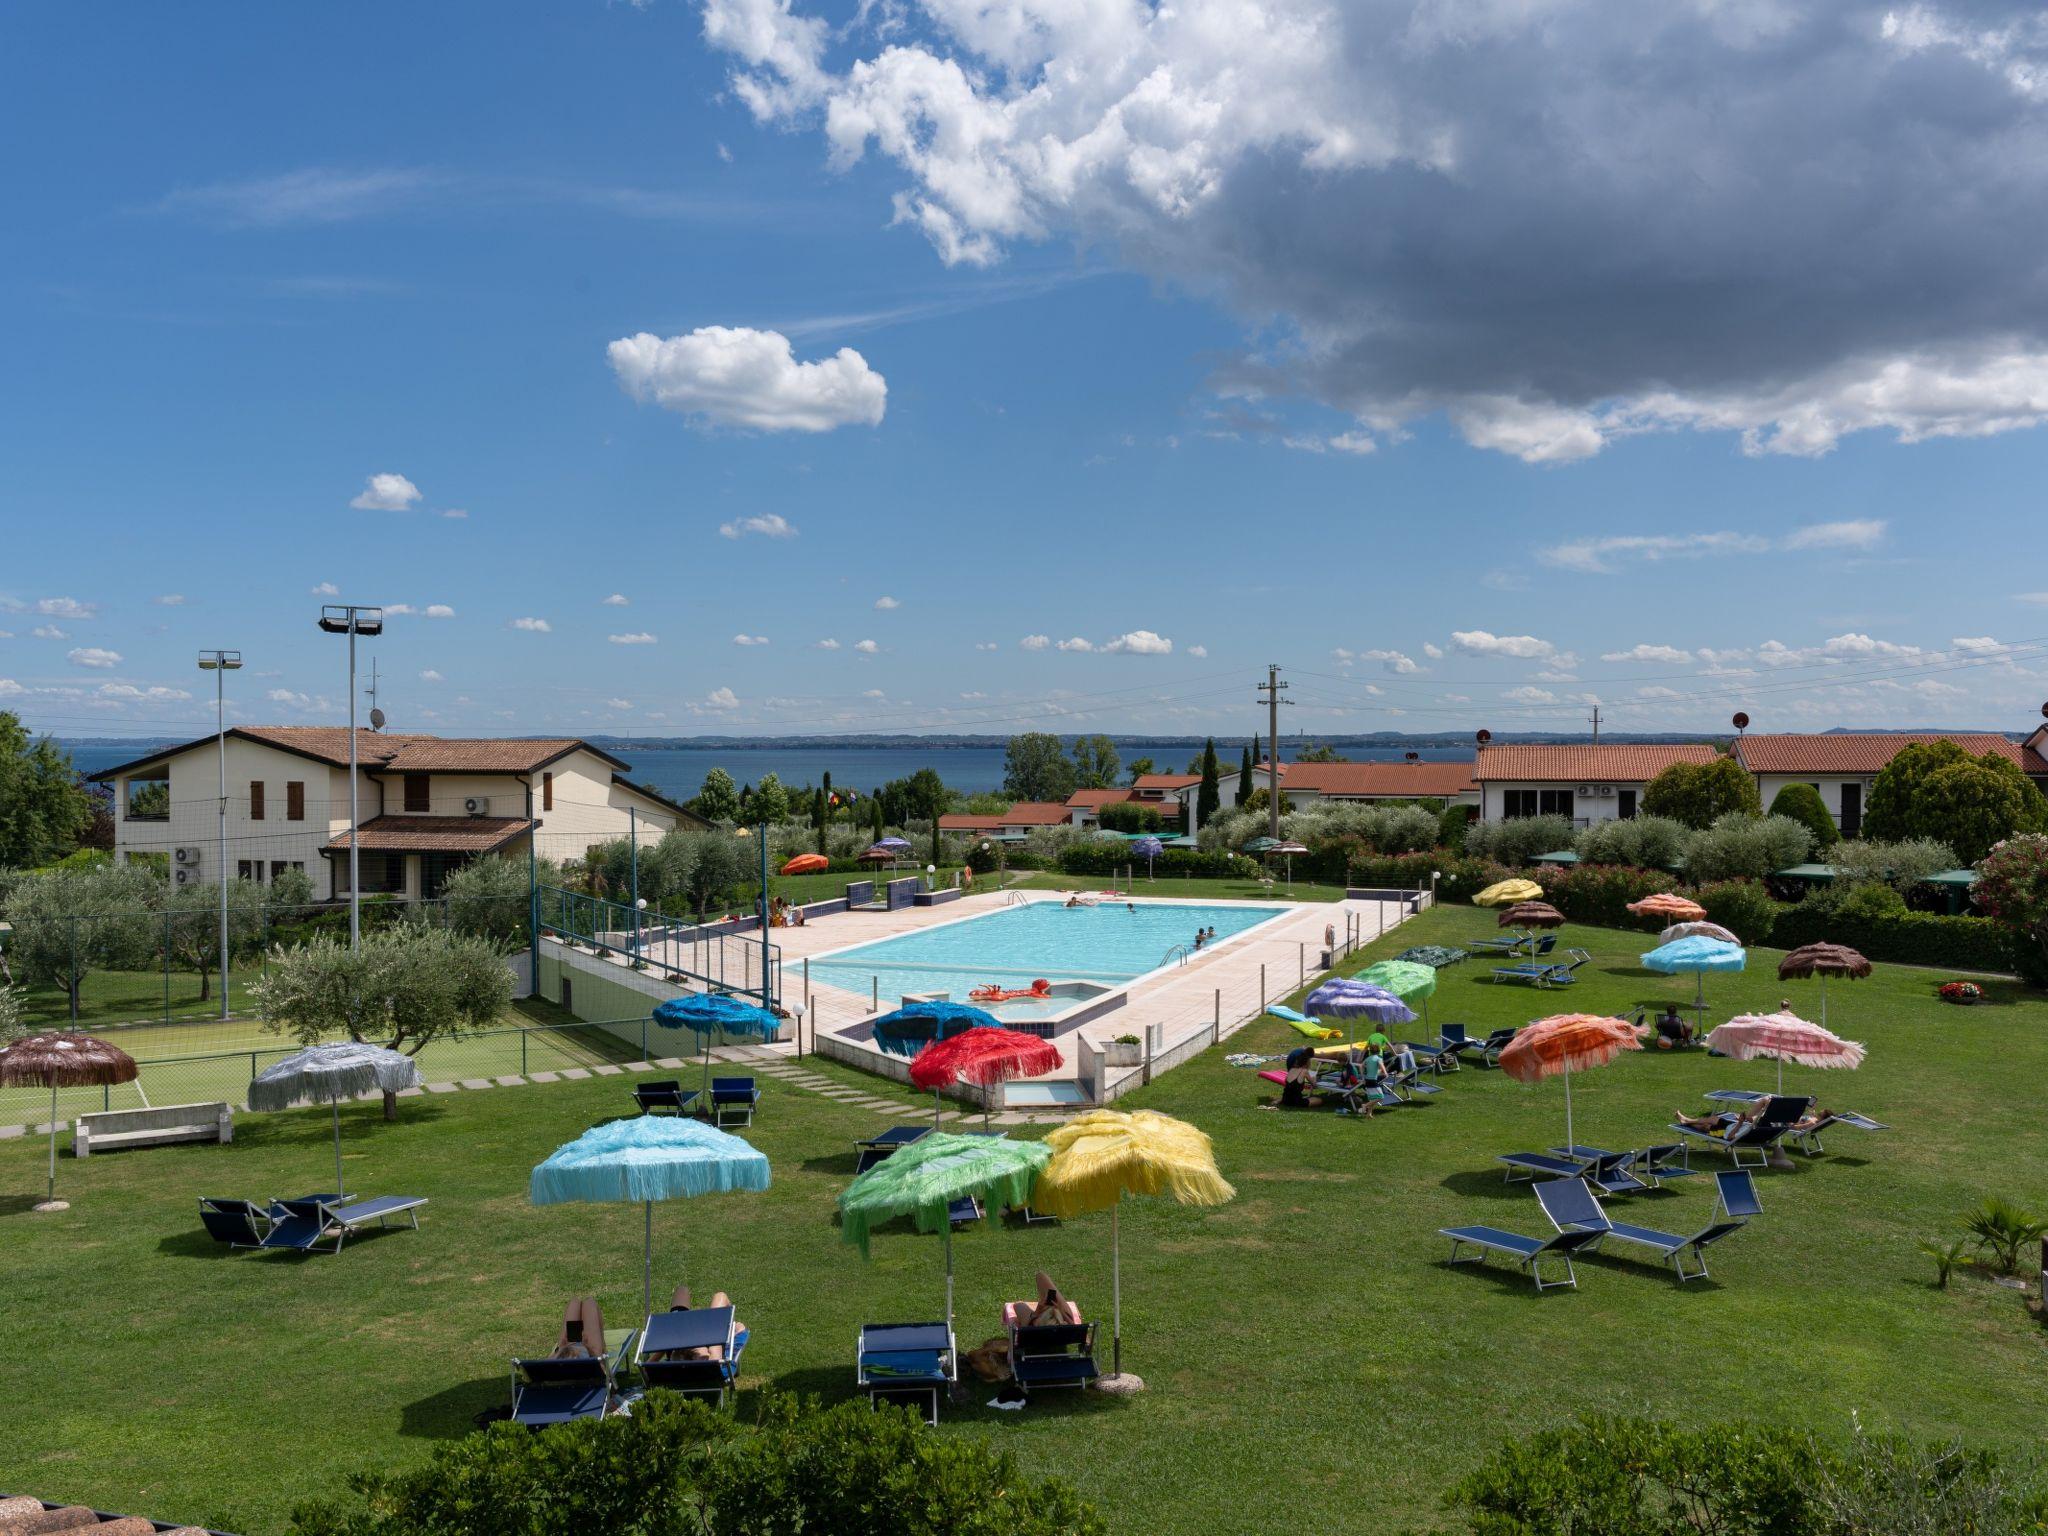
1209	796
1244	776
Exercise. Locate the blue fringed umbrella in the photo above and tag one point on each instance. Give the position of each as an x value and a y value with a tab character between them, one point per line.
647	1159
1148	849
1698	955
1346	999
710	1013
916	1025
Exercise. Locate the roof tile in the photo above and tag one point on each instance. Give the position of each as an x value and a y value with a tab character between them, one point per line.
1543	763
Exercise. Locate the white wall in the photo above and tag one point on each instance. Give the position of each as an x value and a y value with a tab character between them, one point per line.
1585	808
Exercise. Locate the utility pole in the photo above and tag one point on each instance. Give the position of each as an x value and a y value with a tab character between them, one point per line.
1596	725
1272	688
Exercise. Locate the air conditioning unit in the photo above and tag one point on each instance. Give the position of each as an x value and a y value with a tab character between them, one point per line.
1585	791
477	805
184	876
1606	791
188	857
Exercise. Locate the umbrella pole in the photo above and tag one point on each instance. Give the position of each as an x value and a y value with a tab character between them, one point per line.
1116	1289
50	1198
1570	1138
949	1275
1823	999
704	1087
1781	1075
340	1189
646	1266
936	1110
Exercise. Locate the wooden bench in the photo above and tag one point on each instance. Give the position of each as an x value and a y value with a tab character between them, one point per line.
159	1125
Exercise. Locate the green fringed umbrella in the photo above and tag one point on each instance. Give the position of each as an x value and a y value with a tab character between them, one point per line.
923	1180
1408	981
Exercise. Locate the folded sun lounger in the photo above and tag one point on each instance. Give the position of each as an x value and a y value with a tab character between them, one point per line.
302	1225
1528	1253
1572	1206
238	1223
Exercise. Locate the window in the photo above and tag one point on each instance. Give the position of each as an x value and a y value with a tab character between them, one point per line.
1515	803
1554	802
255	799
418	795
278	867
1535	802
245	870
295	800
1625	804
149	799
547	791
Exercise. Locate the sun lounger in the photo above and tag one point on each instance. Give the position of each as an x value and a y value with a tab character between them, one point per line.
1612	1173
238	1223
1572	1206
734	1097
1666	1160
1433	1059
547	1390
886	1144
1302	1024
1490	1048
669	1095
1735	1194
668	1334
1540	1164
905	1360
1053	1355
1535	975
964	1210
1808	1139
302	1225
1757	1137
1528	1253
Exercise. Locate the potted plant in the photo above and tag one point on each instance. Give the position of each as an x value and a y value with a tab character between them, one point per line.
1124	1051
1963	992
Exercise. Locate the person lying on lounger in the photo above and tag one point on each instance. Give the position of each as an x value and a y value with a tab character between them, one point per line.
680	1302
582	1331
1050	1310
1721	1123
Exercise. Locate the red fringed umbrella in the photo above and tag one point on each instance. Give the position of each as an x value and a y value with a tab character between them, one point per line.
63	1059
1823	960
1562	1043
984	1057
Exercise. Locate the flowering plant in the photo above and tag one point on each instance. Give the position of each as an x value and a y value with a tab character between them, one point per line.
1960	992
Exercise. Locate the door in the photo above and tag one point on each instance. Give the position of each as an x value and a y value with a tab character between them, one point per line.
1852	809
1625	804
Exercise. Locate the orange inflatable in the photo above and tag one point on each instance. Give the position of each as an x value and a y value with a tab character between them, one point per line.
991	993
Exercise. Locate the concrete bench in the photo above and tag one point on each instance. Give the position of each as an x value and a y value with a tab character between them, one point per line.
159	1125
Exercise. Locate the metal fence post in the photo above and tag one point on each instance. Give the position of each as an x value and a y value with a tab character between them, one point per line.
522	1053
877	993
1218	1016
1262	988
72	925
1301	961
167	967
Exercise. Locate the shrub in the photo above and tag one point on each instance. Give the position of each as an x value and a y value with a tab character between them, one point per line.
1946	1257
1128	816
1802	803
1741	847
1104	856
1648	842
1599	893
2004	1228
1863	903
1935	789
1901	865
673	1466
2012	890
1518	839
1462	877
1453	822
1918	938
488	898
1744	907
1699	794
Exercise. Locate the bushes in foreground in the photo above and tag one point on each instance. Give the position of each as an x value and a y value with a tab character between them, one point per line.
675	1466
1623	1477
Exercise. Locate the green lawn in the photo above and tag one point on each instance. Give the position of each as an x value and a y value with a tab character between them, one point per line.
122	997
1279	1333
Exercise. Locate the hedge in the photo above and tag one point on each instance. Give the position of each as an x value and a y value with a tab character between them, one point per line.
1099	856
1599	893
1917	938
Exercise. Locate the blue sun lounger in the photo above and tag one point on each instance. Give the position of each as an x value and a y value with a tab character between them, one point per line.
905	1360
302	1225
1053	1355
1666	1160
1735	1194
1528	1253
1572	1206
668	1094
668	1334
238	1223
886	1144
1756	1138
734	1096
1808	1140
1540	1165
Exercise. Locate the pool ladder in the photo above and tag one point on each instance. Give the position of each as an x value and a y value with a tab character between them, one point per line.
1016	899
1177	955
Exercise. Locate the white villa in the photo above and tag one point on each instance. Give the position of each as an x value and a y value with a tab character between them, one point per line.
1586	783
1842	765
1306	784
429	804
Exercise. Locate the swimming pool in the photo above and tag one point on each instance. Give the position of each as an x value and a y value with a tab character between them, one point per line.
1110	943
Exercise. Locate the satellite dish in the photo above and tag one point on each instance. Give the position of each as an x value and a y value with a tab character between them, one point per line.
376	719
1484	737
1414	757
1741	721
2044	711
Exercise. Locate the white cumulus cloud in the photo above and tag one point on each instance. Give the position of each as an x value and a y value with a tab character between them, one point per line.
535	626
93	656
439	611
1199	652
737	377
825	645
171	600
722	698
1139	642
386	493
326	589
769	525
616	600
618	703
1479	642
886	603
1040	642
431	676
866	647
1646	652
749	639
638	637
50	632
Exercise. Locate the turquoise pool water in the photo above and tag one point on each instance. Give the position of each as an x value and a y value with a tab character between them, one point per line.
1109	943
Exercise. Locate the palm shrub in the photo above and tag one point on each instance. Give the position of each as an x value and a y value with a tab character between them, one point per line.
1519	839
2004	1228
1946	1257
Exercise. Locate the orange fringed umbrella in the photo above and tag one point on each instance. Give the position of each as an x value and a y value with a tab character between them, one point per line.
1670	907
807	864
1562	1043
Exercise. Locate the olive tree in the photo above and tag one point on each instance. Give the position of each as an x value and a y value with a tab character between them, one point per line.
487	898
72	922
191	926
12	1013
406	987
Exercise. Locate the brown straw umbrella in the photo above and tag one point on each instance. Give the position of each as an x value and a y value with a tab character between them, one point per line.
1823	960
62	1060
1525	915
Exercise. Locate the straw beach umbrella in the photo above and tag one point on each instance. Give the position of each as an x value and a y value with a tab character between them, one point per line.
1565	1043
1823	960
1784	1037
62	1059
710	1013
983	1056
646	1159
1679	931
1507	892
923	1180
1675	909
1106	1154
327	1074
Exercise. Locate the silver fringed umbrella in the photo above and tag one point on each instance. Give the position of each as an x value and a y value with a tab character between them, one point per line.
327	1074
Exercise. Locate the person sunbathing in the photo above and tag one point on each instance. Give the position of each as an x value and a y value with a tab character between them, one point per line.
1721	1124
1050	1310
680	1302
582	1331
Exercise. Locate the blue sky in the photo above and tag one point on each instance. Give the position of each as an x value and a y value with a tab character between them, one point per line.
1044	403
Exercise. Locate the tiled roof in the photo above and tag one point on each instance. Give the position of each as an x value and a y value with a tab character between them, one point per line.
1866	754
1096	799
1166	780
1034	813
1370	780
957	823
1543	764
387	751
432	834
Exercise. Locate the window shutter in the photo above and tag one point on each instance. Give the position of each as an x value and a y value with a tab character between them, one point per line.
256	800
295	800
547	791
417	792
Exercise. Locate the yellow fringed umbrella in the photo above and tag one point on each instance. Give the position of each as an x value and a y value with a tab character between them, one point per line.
1507	893
1100	1157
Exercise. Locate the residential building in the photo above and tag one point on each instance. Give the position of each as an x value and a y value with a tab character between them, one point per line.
1585	783
1013	824
428	805
1087	804
1173	795
1306	784
1843	765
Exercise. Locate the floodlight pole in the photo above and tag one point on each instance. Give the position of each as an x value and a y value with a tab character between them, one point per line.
353	619
220	663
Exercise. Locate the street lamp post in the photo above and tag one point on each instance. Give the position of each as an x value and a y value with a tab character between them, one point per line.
352	619
220	663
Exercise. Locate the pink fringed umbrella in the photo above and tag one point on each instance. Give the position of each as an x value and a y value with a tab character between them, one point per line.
984	1057
1784	1037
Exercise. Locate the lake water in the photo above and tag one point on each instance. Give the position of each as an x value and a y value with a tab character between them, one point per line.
679	771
